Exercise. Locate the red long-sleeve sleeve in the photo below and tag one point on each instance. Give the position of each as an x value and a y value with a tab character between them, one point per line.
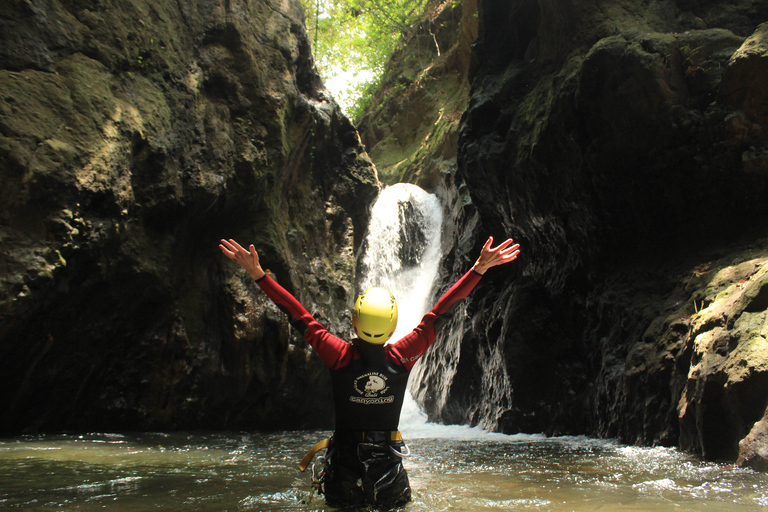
337	353
334	351
407	350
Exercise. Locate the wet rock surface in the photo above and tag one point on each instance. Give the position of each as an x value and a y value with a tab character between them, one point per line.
132	138
623	148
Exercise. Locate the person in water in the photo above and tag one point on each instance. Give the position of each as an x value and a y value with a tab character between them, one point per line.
369	377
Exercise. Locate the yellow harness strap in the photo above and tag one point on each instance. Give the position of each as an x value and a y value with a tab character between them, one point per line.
311	453
395	435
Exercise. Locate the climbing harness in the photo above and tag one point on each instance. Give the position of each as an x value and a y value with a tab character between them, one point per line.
316	487
394	435
318	475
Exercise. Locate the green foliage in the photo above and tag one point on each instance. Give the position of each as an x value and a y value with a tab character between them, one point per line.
363	92
358	36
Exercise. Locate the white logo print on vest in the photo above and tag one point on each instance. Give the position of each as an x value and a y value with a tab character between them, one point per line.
371	386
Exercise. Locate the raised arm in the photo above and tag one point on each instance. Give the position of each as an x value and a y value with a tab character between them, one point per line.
412	346
334	351
489	257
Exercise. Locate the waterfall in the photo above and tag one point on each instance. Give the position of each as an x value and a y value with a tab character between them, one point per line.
402	251
402	255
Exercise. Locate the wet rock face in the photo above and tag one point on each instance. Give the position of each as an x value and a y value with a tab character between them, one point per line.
132	138
412	129
625	150
726	391
412	242
752	449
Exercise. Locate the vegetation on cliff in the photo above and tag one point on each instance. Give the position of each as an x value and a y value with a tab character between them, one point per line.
353	42
410	122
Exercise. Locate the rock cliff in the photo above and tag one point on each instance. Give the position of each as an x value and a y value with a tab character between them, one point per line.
133	136
625	146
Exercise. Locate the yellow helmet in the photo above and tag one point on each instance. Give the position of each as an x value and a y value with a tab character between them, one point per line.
374	316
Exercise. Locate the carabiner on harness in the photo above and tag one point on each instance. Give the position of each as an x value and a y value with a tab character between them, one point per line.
325	443
317	481
321	459
401	454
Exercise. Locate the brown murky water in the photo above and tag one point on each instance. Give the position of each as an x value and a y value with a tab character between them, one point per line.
452	468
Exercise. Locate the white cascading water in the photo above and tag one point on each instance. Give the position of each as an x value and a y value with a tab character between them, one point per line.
406	222
411	283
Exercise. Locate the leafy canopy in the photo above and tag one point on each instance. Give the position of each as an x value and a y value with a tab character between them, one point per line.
353	39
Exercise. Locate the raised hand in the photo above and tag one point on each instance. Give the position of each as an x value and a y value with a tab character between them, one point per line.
248	259
490	257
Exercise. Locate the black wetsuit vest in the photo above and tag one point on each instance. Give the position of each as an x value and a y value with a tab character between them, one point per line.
368	393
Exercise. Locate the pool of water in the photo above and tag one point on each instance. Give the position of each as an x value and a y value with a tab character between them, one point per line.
451	468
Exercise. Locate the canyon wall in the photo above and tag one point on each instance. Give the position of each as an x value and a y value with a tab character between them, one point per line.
133	136
624	145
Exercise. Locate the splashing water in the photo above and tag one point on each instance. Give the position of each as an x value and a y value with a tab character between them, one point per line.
476	471
453	468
